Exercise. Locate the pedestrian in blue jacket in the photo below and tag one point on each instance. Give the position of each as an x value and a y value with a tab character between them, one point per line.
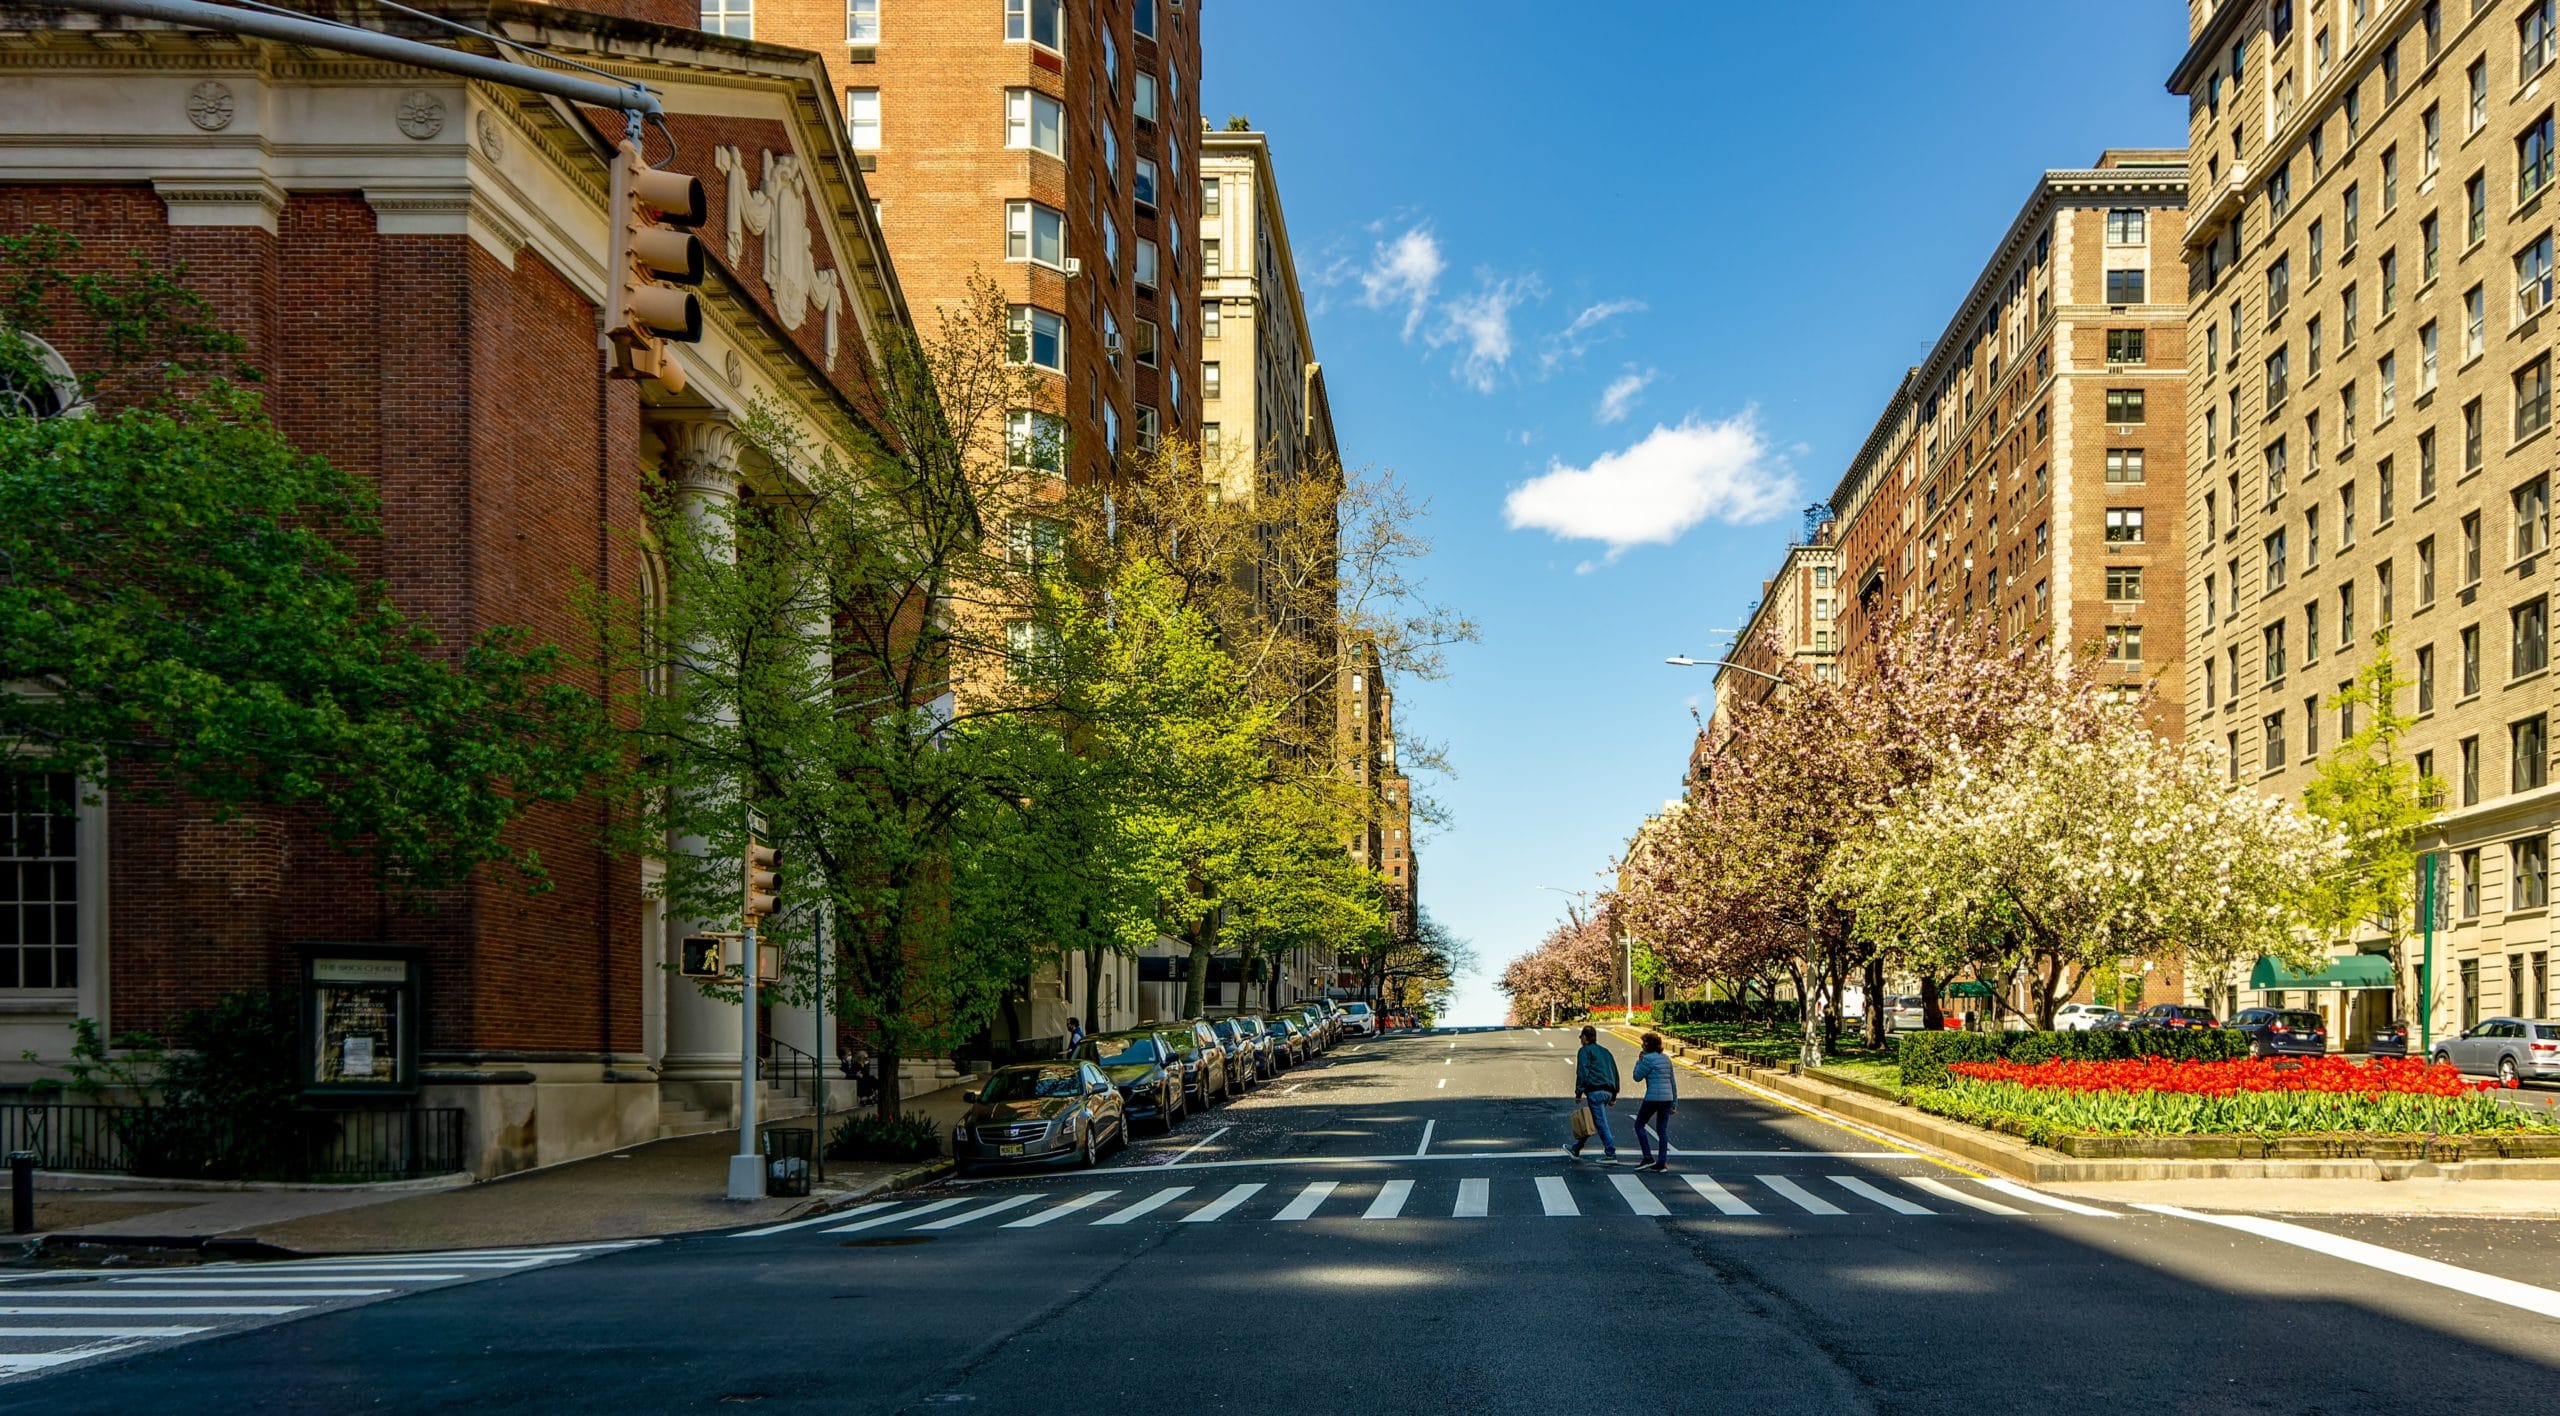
1595	1084
1661	1098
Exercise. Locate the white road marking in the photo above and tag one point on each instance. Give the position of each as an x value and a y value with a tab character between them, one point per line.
1425	1148
1284	1091
1542	1153
970	1216
100	1331
1195	1145
1945	1191
1472	1195
1390	1200
38	1361
118	1295
2038	1197
1060	1211
1220	1207
1863	1190
1304	1206
1549	1044
1448	1061
880	1219
227	1280
1638	1198
1805	1199
2542	1302
1723	1199
1444	1082
1147	1206
227	1310
872	1208
1555	1198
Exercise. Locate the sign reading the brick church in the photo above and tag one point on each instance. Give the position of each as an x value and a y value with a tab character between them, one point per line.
359	1019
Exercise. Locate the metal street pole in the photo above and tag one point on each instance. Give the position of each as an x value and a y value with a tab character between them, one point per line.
824	1055
2427	960
746	1168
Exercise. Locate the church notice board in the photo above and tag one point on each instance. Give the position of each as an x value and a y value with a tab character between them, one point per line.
360	1019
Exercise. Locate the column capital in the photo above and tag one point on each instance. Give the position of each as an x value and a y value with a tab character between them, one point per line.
702	451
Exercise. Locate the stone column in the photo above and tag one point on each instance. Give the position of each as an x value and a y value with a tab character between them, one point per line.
700	1069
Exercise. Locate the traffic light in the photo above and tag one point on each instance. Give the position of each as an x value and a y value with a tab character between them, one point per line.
655	253
764	879
699	956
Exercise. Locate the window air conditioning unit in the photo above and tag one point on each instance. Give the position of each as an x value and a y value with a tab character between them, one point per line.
1111	342
1073	267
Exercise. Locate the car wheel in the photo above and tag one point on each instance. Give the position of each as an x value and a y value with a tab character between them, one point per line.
2507	1071
2444	1059
1087	1155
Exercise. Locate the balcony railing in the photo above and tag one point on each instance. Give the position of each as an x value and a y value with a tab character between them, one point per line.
342	1146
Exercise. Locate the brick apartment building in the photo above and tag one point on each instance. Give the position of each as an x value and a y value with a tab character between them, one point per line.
2370	260
416	261
1051	147
1796	622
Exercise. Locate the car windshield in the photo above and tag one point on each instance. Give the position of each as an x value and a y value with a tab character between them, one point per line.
1120	1051
1279	1024
1033	1082
1362	1009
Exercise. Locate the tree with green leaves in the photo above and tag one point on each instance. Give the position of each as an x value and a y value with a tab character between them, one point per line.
2378	802
182	612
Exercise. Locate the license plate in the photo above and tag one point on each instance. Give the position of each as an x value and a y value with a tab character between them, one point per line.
1008	1150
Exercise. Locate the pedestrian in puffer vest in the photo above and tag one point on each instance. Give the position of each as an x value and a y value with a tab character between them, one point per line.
1595	1083
1661	1095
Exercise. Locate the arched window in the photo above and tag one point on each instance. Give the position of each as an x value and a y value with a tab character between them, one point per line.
40	388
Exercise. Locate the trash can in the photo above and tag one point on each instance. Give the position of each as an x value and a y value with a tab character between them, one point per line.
787	1152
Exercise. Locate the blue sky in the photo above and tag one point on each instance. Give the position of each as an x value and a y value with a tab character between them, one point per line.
1621	297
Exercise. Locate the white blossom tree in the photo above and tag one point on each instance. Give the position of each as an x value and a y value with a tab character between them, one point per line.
2078	840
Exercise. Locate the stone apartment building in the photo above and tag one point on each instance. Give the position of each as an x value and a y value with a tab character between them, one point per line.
1796	622
2370	259
342	215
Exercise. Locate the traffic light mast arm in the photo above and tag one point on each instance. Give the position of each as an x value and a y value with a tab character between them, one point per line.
354	39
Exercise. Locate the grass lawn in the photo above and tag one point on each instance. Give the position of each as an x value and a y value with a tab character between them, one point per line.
1866	1067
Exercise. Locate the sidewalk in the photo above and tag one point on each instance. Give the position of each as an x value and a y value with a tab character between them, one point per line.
673	1186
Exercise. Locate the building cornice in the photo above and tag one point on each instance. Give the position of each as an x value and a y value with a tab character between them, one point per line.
2208	43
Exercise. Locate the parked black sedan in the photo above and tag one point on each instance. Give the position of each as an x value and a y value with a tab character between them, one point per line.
2283	1032
1143	1067
2174	1015
1204	1061
1042	1113
1244	1061
2389	1040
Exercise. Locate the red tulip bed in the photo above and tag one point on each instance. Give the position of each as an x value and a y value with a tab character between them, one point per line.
2159	1097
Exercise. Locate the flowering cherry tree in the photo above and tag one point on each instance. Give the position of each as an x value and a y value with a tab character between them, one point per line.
1575	966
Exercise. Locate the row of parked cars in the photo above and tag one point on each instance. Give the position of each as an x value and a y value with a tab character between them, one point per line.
1068	1112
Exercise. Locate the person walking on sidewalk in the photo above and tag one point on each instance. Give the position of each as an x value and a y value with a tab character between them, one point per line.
1661	1098
1595	1085
1075	1032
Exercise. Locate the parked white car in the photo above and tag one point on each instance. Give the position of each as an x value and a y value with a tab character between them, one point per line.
2080	1017
1357	1020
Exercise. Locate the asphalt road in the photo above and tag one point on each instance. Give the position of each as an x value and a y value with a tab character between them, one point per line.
1394	1228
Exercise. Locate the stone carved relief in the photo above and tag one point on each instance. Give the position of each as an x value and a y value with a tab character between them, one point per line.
777	209
209	106
421	114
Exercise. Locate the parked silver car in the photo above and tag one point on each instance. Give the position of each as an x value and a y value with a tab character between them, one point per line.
2510	1049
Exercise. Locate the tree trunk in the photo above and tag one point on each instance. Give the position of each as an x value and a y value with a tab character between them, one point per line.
1875	1002
886	1104
1932	1016
1092	1014
1204	943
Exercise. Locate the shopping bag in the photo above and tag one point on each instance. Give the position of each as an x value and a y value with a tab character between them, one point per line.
1582	1127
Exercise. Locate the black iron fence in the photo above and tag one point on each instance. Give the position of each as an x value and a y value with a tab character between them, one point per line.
164	1142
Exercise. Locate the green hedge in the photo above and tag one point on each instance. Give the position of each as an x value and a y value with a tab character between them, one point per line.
1924	1055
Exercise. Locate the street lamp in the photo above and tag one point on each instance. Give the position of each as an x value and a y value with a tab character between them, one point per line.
1683	661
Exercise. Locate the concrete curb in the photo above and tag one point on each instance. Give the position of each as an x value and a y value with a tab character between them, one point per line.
2020	1161
87	1180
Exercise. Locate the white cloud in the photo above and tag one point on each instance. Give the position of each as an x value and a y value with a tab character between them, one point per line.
1480	323
1405	271
1652	492
1619	398
1587	328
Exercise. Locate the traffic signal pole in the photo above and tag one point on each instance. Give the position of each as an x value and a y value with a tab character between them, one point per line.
746	1168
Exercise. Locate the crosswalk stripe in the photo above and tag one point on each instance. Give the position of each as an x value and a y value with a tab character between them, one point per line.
1805	1199
1863	1190
1472	1198
1304	1206
2039	1197
872	1208
968	1216
1723	1199
1945	1191
1034	1221
226	1280
1638	1198
261	1310
1147	1206
894	1216
1220	1207
1555	1198
1390	1200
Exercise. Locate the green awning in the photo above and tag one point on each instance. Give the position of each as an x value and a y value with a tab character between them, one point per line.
1969	989
2346	971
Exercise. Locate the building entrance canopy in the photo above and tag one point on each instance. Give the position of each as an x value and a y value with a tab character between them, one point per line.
2350	971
